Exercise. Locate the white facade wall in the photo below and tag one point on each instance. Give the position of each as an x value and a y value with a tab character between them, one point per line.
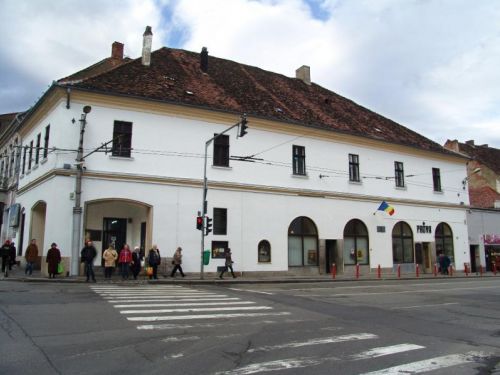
172	147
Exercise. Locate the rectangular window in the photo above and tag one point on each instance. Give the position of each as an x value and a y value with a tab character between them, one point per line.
37	151
46	142
220	220
30	155
25	151
122	139
299	160
221	151
219	249
354	168
11	160
436	179
399	174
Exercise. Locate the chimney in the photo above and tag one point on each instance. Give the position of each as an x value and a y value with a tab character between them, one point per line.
204	60
304	74
147	40
117	51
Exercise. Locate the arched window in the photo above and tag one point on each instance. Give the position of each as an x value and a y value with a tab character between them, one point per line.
355	243
402	243
444	240
302	242
264	251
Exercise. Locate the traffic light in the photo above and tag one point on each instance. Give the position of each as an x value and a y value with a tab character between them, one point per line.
208	226
199	222
243	126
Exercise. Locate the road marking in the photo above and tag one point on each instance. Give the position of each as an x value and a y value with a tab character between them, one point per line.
387	350
251	291
184	304
195	309
170	299
420	306
431	364
172	296
153	292
163	326
319	341
283	364
207	316
179	339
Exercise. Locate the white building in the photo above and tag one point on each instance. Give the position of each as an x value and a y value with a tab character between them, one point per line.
321	166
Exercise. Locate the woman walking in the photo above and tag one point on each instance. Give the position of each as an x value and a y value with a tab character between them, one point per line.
154	260
110	256
53	260
31	257
228	264
177	262
136	262
124	259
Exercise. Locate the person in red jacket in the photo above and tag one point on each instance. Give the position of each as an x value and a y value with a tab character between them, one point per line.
124	260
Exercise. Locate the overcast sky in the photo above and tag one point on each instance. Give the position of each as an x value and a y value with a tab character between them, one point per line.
431	65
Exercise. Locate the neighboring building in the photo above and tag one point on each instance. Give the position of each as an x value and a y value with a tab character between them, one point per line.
300	191
483	184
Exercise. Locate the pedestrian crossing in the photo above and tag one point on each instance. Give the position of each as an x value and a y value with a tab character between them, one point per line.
170	307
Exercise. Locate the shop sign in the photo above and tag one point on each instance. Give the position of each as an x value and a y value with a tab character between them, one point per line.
424	229
492	239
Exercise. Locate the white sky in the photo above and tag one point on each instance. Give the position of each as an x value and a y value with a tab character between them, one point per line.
431	65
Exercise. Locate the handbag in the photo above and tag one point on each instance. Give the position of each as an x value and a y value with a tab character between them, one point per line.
149	271
60	268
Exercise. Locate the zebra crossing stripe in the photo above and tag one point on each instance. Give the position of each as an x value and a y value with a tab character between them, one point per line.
387	350
432	364
195	309
170	299
318	341
207	316
184	304
159	296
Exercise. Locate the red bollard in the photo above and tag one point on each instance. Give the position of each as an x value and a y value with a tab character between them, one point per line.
399	271
379	271
357	271
481	270
435	269
466	269
334	270
494	267
417	270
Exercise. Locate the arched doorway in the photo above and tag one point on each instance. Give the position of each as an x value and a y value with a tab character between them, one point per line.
402	244
356	243
444	241
37	229
302	243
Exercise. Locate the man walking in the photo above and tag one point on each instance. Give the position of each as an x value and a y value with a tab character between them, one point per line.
31	257
5	254
88	254
228	264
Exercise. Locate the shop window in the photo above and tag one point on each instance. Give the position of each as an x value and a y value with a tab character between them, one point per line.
219	249
355	243
302	242
402	243
264	250
122	139
444	240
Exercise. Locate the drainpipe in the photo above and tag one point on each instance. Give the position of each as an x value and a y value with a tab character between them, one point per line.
77	209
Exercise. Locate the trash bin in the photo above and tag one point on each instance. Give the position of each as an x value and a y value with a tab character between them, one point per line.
206	257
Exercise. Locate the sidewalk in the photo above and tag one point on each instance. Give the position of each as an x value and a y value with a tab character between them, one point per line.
17	274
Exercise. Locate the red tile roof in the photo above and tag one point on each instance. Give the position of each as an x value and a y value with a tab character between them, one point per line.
94	70
175	76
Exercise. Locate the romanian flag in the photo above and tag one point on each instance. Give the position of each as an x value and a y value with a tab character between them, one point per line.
384	206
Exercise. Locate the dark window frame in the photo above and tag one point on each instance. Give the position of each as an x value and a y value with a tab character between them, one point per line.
37	150
122	139
221	151
216	249
264	251
25	151
299	160
355	229
30	160
220	221
401	237
46	142
436	179
354	168
399	174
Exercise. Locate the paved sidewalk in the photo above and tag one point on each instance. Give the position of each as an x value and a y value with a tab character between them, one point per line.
17	274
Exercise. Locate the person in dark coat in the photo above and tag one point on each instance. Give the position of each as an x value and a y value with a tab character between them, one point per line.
154	260
53	260
177	262
12	255
31	256
88	254
5	254
228	264
136	262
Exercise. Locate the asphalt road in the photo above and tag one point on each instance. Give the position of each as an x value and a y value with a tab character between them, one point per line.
377	327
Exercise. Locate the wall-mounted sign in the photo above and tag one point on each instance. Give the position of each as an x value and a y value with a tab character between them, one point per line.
424	229
380	229
14	212
492	239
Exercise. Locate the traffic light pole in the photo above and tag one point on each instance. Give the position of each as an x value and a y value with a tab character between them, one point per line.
204	203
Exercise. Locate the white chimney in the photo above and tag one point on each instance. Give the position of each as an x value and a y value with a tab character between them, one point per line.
304	74
147	41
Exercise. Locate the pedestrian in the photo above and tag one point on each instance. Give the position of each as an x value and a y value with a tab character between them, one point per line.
124	260
177	261
31	257
443	263
5	254
136	262
12	255
154	260
53	260
88	254
110	256
228	264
